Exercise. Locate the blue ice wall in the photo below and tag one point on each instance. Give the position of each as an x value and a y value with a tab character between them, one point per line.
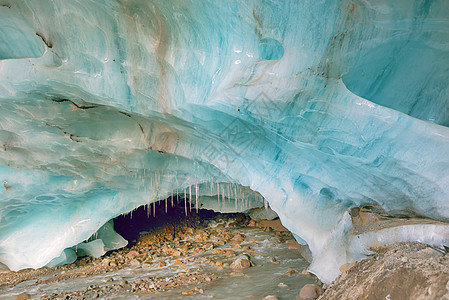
318	106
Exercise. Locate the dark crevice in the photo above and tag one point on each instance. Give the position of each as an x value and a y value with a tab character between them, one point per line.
46	42
76	105
71	136
130	116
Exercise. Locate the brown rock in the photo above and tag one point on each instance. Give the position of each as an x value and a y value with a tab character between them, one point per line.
162	264
218	251
238	238
294	245
188	292
309	292
291	272
178	262
345	269
22	296
230	253
132	253
252	223
240	263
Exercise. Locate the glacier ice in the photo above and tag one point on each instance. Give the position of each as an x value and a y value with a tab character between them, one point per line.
317	106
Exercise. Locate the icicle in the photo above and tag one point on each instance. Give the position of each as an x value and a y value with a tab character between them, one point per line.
154	209
185	202
196	197
190	198
218	194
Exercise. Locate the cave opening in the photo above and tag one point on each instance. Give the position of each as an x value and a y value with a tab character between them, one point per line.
172	214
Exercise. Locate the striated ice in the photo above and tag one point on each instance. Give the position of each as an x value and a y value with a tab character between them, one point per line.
316	106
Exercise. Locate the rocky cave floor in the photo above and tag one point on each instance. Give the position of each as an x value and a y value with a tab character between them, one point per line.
230	256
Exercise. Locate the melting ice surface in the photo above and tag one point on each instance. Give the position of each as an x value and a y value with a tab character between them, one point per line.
318	106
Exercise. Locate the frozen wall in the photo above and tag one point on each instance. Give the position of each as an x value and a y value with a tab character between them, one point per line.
319	106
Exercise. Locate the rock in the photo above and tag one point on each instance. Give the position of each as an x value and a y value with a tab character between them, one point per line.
291	272
238	238
178	262
123	282
309	292
135	262
232	224
294	245
218	251
162	264
240	263
270	297
188	292
280	240
252	223
230	253
22	296
132	253
344	269
282	285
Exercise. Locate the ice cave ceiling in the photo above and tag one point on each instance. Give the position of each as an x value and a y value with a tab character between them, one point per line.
316	106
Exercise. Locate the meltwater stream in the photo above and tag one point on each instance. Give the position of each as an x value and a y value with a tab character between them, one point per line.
276	270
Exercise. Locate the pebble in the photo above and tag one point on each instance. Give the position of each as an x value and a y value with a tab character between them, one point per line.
282	285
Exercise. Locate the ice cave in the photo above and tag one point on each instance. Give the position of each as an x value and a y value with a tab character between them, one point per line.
312	107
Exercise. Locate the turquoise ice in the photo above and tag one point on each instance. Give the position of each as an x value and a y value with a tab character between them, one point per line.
316	106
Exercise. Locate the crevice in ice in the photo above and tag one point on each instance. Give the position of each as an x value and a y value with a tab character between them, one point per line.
46	41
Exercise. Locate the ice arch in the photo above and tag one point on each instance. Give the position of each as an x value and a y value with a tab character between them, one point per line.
114	104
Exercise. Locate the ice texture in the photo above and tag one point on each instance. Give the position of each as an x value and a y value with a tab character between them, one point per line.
317	106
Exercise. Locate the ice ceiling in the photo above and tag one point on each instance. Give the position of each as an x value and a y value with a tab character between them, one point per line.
318	106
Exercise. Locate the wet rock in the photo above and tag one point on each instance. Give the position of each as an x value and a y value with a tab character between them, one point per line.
272	260
218	251
270	297
294	245
309	292
123	283
188	292
22	296
240	263
230	253
162	264
238	238
282	285
291	272
178	262
252	223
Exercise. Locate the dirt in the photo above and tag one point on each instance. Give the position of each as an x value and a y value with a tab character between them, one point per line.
400	271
